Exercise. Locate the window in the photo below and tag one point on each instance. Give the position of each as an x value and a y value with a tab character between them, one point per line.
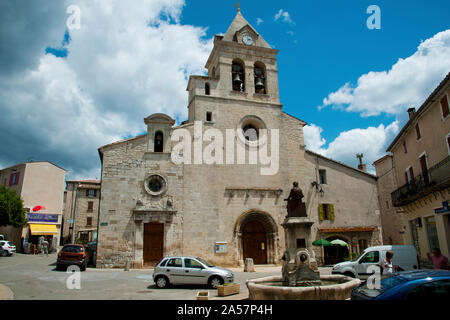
191	263
404	147
326	211
155	185
323	176
175	262
91	193
409	176
250	132
89	221
371	257
418	131
163	263
434	290
159	142
238	76
207	89
444	106
90	205
424	167
448	144
209	116
260	78
14	178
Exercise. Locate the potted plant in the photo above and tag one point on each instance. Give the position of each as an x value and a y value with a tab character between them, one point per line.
203	295
228	289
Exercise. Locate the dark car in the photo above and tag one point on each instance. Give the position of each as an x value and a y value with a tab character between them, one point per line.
72	254
408	285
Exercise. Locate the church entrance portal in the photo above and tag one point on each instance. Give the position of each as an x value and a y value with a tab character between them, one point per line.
153	243
254	242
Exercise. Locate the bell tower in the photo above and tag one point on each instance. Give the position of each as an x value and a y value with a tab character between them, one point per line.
242	67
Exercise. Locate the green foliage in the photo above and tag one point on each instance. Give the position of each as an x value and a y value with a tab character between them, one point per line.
12	211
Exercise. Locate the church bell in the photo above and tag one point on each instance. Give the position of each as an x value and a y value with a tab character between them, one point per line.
237	79
259	84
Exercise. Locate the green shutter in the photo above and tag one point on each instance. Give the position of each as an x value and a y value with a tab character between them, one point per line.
321	215
331	212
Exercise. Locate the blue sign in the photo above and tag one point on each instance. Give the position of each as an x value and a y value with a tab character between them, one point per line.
42	217
443	209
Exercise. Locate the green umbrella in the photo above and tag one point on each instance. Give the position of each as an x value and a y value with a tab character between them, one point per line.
339	242
321	242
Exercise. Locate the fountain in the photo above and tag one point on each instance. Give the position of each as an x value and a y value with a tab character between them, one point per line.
300	278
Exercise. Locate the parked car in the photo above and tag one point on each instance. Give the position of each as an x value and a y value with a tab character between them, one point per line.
408	285
404	256
2	237
7	248
72	254
190	270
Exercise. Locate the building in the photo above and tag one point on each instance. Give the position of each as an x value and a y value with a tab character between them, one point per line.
215	196
80	216
421	166
38	183
391	218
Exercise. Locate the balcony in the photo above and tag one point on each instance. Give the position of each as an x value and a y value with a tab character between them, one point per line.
438	179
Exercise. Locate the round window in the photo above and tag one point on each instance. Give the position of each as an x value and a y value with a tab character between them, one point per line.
155	185
252	131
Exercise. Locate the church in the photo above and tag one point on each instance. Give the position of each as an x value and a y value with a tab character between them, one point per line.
215	185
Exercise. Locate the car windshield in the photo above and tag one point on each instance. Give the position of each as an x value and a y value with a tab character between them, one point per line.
206	263
73	249
361	254
385	284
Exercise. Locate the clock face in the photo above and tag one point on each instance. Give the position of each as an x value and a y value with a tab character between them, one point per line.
247	39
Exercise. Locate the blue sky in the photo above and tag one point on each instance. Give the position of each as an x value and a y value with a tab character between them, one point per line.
64	94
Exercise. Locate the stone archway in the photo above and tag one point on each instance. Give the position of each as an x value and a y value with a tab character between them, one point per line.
256	235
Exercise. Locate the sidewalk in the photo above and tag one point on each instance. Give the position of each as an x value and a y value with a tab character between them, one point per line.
5	293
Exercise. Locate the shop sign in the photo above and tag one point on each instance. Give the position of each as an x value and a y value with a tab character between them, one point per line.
444	208
42	217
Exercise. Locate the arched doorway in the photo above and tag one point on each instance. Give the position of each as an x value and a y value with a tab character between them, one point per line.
256	235
335	254
254	242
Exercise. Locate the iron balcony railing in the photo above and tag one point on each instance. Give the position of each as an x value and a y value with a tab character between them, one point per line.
420	186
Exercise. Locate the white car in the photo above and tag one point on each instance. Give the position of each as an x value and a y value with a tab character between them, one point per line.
404	256
7	248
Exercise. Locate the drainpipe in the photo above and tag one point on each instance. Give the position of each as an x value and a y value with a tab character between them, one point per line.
74	214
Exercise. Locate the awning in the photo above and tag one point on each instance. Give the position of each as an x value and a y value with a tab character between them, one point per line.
43	229
347	229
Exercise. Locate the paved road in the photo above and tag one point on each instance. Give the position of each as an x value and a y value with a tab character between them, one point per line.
35	277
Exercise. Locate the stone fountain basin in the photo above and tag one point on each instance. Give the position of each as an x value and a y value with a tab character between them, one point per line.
271	288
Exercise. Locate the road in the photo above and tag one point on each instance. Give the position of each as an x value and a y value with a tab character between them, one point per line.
35	277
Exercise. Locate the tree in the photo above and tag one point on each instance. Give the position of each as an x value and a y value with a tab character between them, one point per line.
12	211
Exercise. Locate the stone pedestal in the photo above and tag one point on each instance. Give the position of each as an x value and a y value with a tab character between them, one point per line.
249	266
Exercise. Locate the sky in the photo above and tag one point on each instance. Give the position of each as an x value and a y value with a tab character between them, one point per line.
64	93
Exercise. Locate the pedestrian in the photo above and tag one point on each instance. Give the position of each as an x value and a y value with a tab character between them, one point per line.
45	247
387	267
439	260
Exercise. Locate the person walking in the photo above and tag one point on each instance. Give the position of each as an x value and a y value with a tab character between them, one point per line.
45	247
439	260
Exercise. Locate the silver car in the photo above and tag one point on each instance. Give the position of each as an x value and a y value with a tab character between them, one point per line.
190	270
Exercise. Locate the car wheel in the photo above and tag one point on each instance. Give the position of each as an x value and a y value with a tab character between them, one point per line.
214	282
161	282
5	253
83	267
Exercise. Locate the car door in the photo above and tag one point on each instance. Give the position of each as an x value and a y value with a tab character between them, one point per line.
369	259
174	271
195	272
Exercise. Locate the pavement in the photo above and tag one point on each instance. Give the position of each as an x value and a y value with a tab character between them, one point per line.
28	277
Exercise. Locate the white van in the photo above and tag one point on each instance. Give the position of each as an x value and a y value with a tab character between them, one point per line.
404	256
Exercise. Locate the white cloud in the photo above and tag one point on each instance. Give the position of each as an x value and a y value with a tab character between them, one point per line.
284	16
127	61
408	83
371	141
259	21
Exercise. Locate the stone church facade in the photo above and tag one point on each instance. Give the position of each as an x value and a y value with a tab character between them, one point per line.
152	205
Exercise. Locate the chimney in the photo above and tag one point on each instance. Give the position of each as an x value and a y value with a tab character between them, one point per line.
411	112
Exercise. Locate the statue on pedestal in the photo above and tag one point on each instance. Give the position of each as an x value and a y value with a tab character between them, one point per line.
295	206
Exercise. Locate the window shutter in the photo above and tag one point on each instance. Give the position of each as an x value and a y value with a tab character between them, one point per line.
321	214
17	178
87	192
95	193
332	212
11	179
444	104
